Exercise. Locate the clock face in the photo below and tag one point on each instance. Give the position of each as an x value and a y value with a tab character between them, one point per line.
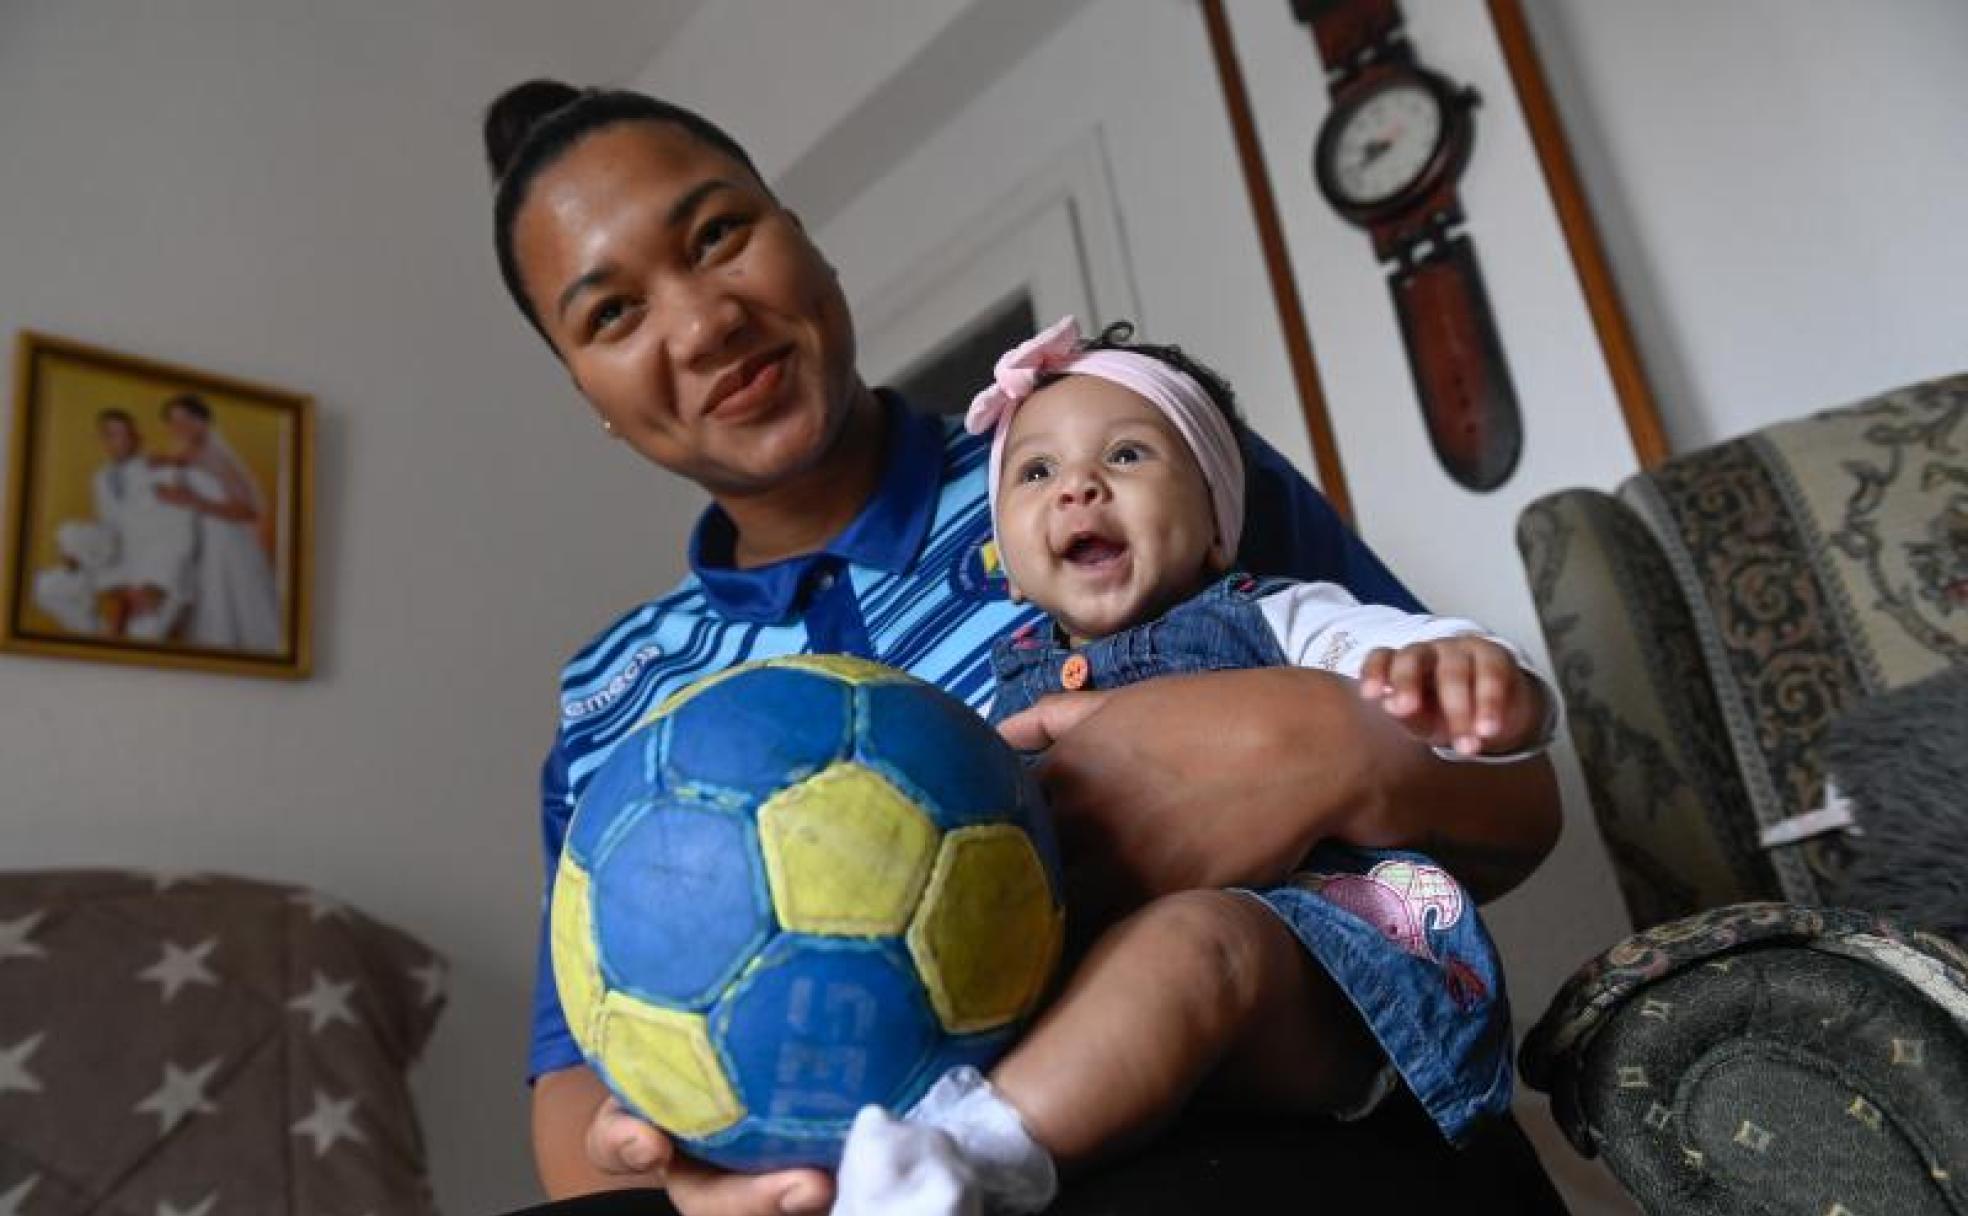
1385	144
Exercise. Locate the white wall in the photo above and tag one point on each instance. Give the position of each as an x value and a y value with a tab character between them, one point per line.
293	193
1141	74
823	60
1199	276
1454	547
1776	181
1779	185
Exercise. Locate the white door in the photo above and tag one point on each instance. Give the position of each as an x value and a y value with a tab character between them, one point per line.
1094	172
1053	249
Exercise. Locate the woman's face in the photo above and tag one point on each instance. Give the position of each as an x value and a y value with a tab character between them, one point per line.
690	307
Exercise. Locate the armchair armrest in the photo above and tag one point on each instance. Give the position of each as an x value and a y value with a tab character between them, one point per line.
1767	1057
1641	709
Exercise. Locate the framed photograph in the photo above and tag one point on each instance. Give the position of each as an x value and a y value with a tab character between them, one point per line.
156	515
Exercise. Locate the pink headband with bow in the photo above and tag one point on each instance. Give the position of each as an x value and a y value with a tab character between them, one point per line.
1201	424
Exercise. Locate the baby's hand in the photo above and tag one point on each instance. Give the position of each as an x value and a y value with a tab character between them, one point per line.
1464	693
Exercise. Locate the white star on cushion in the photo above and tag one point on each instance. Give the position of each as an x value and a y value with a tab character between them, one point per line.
204	1206
180	1096
431	978
325	1002
13	938
10	1201
332	1120
181	966
319	906
14	1077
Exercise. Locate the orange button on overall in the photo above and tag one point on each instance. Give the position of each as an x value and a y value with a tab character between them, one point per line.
1073	673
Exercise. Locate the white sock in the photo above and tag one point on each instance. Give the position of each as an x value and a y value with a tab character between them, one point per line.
961	1151
892	1168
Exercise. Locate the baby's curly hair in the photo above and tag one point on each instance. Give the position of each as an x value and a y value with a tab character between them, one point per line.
1115	337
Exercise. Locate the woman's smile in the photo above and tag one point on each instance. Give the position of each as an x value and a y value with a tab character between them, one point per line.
750	389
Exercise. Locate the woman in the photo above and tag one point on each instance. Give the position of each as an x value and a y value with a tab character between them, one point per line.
709	334
234	606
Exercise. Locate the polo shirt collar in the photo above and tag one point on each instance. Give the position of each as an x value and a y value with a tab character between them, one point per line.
886	535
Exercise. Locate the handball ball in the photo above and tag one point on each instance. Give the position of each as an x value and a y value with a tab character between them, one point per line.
799	887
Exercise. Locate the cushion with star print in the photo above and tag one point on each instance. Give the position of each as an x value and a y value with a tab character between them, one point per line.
192	1045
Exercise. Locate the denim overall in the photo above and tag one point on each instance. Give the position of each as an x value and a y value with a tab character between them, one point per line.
1397	933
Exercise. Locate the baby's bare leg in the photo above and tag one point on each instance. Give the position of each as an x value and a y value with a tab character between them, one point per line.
1198	987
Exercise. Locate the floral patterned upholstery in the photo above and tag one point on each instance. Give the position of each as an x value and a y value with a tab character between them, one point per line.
1708	624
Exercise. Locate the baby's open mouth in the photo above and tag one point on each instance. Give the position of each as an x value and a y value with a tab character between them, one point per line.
1089	549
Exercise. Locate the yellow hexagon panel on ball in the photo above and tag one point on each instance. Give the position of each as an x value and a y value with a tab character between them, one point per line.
986	903
664	1063
845	853
843	667
570	928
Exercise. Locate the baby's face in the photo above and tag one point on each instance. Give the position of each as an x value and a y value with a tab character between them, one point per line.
1103	517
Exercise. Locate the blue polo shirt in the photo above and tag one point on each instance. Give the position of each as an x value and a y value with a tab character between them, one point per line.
912	582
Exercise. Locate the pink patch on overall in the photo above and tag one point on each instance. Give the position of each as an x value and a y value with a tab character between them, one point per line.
1405	900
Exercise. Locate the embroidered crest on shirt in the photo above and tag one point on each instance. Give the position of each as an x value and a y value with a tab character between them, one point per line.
979	572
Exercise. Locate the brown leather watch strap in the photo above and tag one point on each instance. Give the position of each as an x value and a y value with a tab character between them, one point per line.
1467	400
1457	360
1345	29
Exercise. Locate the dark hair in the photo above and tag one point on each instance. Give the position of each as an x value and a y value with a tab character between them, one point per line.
190	403
530	125
1115	337
116	414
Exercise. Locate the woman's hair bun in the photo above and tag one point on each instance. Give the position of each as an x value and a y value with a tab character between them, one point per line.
514	114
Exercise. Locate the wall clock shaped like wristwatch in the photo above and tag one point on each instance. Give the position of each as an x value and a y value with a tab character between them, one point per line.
1388	157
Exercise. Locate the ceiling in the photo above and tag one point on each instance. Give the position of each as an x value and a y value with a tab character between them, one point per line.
588	41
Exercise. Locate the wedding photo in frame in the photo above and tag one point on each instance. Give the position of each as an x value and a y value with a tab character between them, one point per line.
156	515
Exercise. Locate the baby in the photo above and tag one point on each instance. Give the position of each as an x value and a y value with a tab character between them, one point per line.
1116	481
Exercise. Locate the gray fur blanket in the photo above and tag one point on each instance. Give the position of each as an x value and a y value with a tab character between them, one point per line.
1902	758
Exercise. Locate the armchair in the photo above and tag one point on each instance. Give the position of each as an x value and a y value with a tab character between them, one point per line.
1752	1049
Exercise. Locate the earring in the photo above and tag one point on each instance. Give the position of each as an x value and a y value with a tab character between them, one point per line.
608	428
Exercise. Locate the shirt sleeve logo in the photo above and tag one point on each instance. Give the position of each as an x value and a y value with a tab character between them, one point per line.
573	709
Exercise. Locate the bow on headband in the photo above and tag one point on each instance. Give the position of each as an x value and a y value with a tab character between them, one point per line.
1057	350
1017	371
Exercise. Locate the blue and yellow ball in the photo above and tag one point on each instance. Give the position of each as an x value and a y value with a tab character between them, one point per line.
799	887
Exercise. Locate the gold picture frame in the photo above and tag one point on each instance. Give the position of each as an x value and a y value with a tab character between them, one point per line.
157	515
